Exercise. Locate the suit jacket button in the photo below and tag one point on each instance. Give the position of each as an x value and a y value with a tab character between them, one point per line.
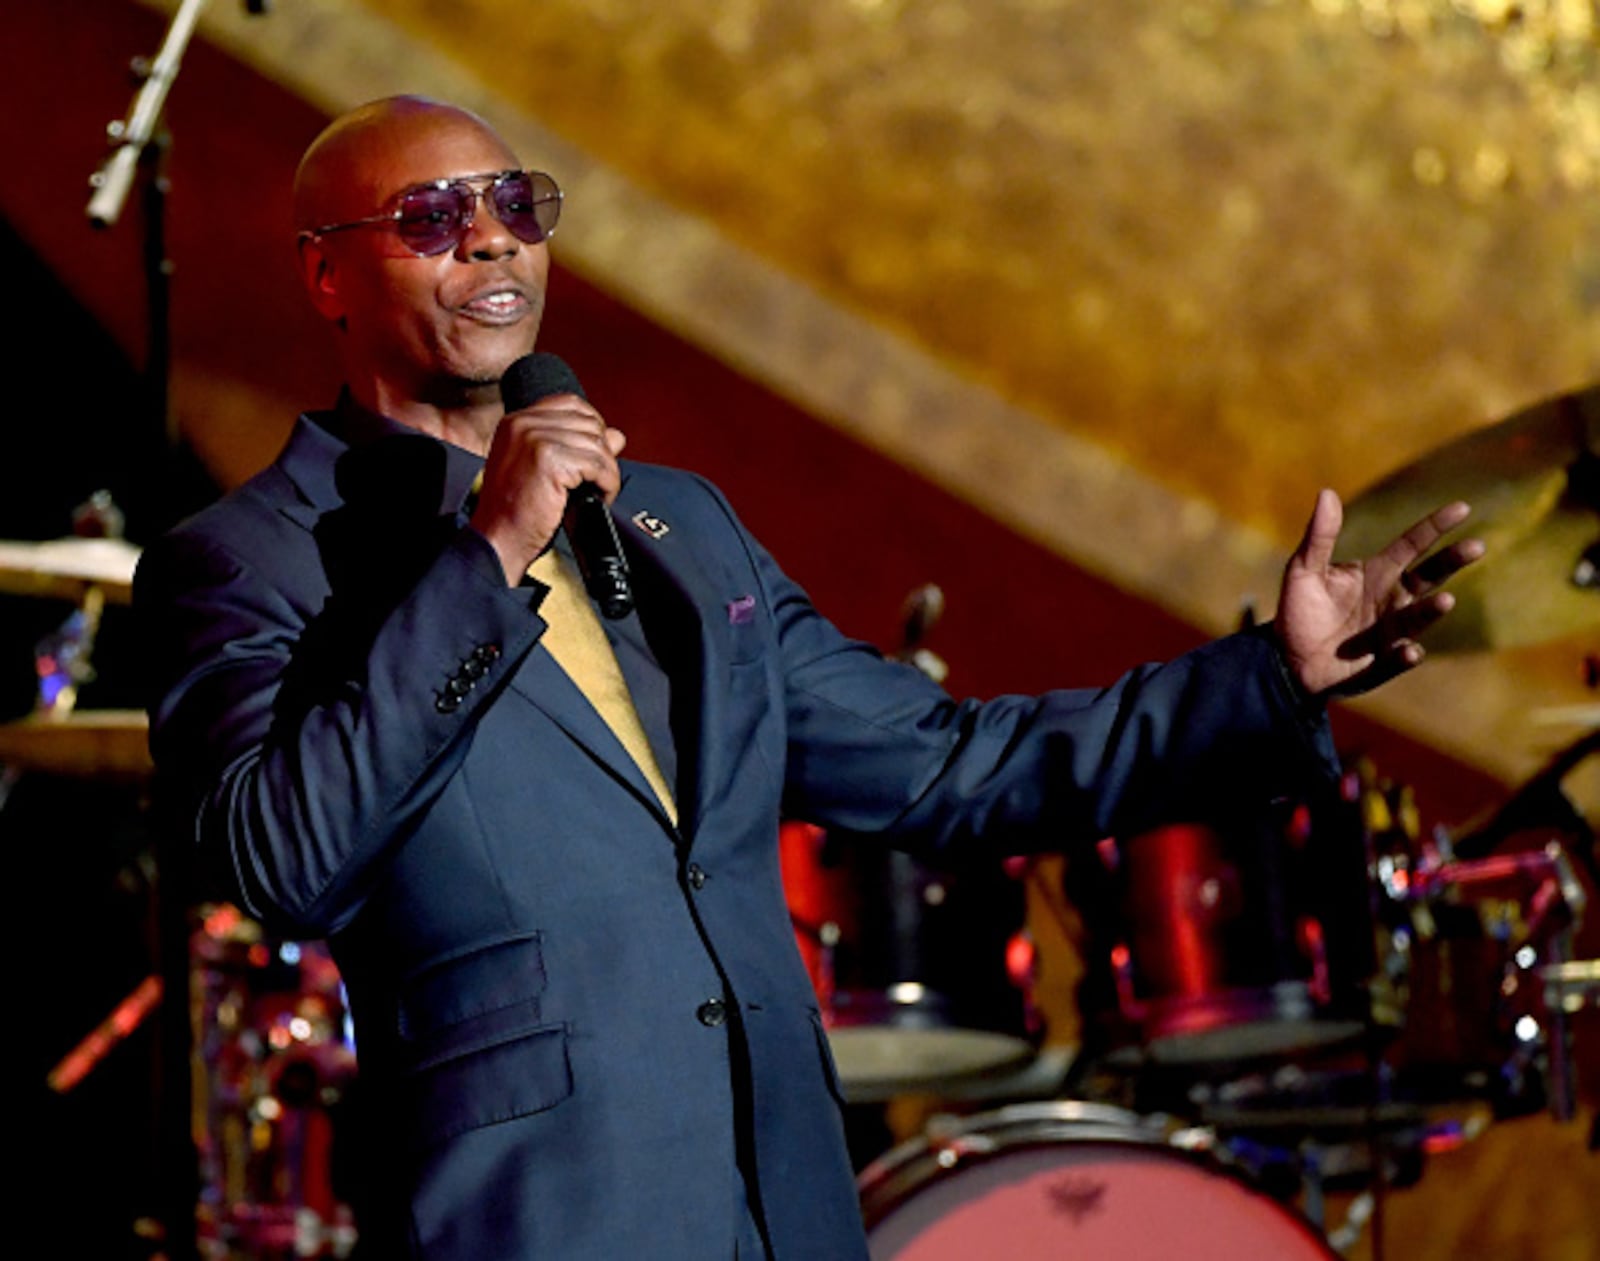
712	1012
446	703
697	876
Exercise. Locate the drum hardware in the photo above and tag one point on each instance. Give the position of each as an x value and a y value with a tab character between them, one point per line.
1539	803
270	1064
124	1018
1546	904
1572	986
57	738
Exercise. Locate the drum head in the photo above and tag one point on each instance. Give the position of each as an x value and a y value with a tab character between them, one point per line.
1022	1187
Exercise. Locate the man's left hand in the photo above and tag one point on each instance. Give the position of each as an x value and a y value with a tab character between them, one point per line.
1347	627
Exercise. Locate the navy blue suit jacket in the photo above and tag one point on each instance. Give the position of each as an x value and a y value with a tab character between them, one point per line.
372	746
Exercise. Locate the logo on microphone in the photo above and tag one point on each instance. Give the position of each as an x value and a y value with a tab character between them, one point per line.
652	525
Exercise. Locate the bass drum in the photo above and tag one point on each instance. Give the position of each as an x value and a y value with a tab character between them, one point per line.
1066	1179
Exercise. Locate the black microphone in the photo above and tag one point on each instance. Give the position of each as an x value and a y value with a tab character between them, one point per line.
589	523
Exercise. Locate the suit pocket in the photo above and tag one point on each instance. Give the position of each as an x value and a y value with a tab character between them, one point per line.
476	1047
492	1069
471	983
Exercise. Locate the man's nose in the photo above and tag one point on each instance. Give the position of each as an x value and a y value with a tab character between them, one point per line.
486	238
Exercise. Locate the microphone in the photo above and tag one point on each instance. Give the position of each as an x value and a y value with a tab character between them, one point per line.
593	532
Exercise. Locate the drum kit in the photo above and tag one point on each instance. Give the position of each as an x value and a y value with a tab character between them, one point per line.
1275	1013
1267	1012
271	1054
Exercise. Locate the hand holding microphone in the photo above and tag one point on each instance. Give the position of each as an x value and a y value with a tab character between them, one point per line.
553	457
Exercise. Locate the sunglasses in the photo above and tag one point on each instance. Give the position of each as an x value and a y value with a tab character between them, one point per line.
434	217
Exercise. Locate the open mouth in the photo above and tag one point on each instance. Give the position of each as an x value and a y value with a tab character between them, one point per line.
498	306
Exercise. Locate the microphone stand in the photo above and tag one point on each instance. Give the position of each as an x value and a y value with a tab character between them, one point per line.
140	145
141	142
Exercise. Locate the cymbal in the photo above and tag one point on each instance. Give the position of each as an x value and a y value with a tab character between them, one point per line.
65	568
1528	481
112	743
1568	715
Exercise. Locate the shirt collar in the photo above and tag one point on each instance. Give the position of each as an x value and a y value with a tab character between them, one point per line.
356	426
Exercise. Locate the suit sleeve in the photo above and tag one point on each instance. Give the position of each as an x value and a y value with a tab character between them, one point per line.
875	746
296	756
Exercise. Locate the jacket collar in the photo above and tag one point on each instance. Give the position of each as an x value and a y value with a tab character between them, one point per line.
674	594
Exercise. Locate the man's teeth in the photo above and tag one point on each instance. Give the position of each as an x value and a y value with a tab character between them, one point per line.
501	300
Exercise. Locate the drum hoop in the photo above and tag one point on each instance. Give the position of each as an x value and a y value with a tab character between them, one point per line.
886	1183
965	1141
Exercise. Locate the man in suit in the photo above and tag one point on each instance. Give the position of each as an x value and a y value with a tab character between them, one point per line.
583	1025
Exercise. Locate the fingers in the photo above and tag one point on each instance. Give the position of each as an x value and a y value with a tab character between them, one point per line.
1407	623
539	455
1416	541
561	441
1389	664
1322	532
1401	625
1442	566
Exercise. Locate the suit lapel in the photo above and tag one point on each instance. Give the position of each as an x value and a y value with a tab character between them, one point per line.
308	462
679	605
671	591
544	684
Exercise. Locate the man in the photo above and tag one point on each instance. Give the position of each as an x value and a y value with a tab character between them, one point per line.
583	1024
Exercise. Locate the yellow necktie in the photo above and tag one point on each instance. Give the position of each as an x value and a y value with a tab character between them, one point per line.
574	637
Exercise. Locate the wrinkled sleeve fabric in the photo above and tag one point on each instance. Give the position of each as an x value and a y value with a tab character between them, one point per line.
876	747
299	770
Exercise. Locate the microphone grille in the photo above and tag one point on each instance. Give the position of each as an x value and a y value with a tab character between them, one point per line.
534	377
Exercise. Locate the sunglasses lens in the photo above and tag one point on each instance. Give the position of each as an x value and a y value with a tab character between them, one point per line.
528	203
431	220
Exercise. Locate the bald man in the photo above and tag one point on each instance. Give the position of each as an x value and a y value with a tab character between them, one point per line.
583	1024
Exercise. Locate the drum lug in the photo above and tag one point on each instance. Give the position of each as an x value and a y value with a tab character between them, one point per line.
952	1149
1133	1008
1314	944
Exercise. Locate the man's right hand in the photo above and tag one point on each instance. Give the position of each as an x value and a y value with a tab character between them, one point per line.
538	457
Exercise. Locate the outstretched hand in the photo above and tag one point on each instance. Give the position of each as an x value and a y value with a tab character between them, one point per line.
1347	627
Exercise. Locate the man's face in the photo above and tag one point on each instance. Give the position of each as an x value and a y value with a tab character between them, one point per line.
434	329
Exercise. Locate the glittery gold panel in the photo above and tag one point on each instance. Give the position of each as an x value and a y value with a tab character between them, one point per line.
1253	246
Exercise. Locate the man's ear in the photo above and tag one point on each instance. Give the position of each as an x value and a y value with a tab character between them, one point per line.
320	274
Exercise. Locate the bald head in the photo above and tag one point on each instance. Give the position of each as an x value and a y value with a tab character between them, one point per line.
419	335
351	168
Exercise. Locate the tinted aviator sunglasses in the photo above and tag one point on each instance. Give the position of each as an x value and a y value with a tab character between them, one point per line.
434	217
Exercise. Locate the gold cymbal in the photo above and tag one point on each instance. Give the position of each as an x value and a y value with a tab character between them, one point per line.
65	568
112	743
1518	475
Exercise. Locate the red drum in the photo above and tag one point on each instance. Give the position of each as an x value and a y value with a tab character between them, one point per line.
1237	947
1046	1181
909	965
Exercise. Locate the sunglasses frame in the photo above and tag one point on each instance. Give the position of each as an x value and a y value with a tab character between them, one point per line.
480	188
